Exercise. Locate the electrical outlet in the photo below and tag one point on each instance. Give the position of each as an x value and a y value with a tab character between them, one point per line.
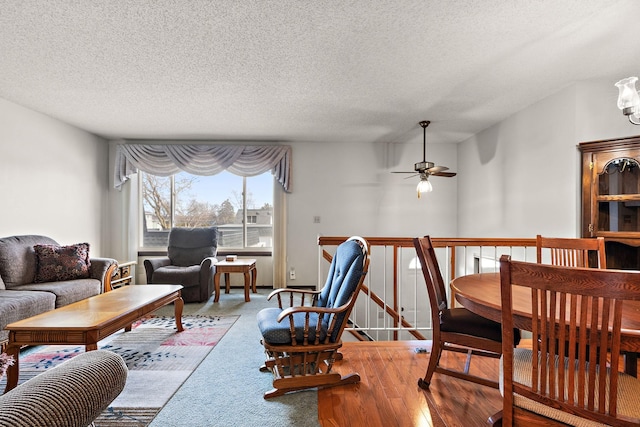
292	274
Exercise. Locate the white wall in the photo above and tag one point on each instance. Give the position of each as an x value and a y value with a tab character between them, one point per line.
53	179
521	177
351	188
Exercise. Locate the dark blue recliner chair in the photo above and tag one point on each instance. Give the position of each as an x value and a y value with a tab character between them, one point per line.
190	261
301	342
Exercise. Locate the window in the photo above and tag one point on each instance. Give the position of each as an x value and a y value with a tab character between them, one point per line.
241	207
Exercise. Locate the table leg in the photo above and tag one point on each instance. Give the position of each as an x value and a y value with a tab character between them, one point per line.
496	419
254	273
216	285
178	306
631	364
13	372
227	283
247	282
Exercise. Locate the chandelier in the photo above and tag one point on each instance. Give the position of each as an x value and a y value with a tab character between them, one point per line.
629	100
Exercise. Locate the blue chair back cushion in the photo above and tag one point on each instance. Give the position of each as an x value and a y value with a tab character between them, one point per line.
343	278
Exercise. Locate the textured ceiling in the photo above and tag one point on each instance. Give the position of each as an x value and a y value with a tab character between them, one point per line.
305	71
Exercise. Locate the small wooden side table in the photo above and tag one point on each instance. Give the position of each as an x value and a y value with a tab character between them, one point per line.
123	275
245	266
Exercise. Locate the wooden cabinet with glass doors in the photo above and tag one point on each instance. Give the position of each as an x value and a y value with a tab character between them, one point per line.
611	198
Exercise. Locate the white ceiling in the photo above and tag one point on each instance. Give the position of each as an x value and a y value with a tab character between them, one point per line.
291	71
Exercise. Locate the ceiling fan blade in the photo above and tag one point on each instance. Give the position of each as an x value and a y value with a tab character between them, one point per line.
415	174
434	170
446	174
403	172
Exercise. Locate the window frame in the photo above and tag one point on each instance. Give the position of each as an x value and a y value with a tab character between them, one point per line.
151	250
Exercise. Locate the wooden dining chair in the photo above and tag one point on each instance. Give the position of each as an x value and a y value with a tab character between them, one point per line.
454	329
570	308
571	252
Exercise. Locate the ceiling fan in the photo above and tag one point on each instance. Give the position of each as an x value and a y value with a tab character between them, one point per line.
426	169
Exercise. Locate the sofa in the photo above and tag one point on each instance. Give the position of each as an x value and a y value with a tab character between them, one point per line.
72	394
38	275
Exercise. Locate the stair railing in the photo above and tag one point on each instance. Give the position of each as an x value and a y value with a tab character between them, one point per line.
393	301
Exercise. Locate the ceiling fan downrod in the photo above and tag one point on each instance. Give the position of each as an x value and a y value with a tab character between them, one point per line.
424	125
423	165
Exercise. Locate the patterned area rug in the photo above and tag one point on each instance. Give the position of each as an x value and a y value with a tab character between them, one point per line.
158	357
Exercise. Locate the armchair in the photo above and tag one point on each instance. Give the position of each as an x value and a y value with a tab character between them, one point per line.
190	262
301	341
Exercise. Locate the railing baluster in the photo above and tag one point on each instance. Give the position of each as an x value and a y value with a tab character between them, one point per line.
394	324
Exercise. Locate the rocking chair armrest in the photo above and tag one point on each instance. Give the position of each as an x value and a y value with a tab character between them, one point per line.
293	291
315	309
307	309
300	292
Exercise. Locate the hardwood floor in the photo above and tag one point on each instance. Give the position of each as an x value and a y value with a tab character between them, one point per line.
388	394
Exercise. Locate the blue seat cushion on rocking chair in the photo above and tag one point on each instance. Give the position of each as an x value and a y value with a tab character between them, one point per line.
279	333
462	321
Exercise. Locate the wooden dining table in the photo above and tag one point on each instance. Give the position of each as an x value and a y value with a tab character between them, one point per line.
480	294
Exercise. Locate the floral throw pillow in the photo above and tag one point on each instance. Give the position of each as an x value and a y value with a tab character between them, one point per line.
56	263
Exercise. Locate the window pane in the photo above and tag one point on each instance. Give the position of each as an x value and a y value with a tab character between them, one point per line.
202	201
260	211
222	195
156	204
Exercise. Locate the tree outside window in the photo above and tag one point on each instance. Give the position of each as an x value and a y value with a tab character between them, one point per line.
241	208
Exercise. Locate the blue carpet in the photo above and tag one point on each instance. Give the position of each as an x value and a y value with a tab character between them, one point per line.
227	388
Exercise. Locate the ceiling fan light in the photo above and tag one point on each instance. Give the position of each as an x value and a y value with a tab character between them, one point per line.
424	186
628	98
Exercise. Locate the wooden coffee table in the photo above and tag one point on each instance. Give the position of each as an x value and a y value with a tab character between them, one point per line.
245	266
88	321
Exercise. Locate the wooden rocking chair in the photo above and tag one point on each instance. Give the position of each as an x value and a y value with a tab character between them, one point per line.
301	351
